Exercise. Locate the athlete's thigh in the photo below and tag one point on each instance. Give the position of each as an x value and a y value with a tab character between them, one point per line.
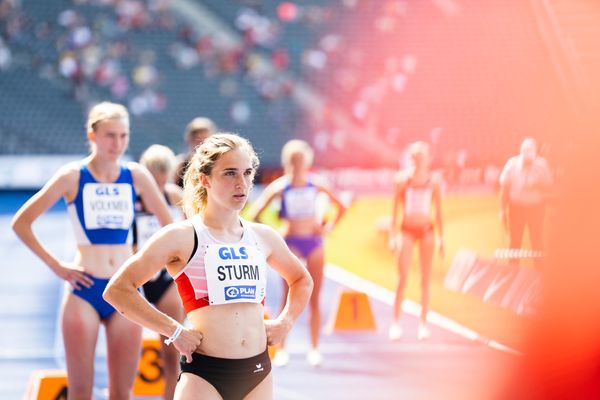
315	264
263	391
192	387
123	342
426	249
80	324
405	253
78	317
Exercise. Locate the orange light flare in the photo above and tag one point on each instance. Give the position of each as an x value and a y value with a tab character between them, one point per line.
562	355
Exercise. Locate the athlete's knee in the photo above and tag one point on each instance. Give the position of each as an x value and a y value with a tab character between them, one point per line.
400	286
314	304
425	280
403	276
117	391
80	390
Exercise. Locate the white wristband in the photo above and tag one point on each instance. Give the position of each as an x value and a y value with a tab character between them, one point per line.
175	335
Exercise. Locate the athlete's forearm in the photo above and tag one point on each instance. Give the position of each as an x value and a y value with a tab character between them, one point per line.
124	297
298	296
256	210
340	213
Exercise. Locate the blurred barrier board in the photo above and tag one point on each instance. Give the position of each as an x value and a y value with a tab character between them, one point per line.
460	269
516	288
501	284
523	297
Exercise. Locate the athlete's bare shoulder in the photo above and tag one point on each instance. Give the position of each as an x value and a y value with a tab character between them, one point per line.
70	168
134	167
65	181
69	173
175	235
142	178
266	234
437	178
258	227
275	188
278	184
172	188
319	180
174	192
178	228
403	176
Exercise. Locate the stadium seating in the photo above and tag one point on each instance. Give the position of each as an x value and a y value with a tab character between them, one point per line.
462	79
58	104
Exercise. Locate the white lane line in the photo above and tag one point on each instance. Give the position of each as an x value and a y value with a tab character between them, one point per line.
383	347
7	354
355	282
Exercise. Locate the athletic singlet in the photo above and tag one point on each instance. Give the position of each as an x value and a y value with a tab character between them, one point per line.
417	198
299	202
222	273
102	213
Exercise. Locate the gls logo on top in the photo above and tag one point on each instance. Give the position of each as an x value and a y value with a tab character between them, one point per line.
240	292
107	190
229	253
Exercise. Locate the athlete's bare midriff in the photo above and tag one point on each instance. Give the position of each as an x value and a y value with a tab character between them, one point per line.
230	330
302	227
416	220
419	214
102	260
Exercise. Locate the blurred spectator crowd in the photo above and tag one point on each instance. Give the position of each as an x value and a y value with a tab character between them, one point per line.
360	59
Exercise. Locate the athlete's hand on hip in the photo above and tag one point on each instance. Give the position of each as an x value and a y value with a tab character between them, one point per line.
75	275
277	330
188	342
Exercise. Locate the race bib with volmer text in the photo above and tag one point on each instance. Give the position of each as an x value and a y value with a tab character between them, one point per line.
107	205
235	274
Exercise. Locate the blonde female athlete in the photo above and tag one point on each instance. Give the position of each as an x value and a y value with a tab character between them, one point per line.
298	191
160	290
100	192
219	262
419	192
